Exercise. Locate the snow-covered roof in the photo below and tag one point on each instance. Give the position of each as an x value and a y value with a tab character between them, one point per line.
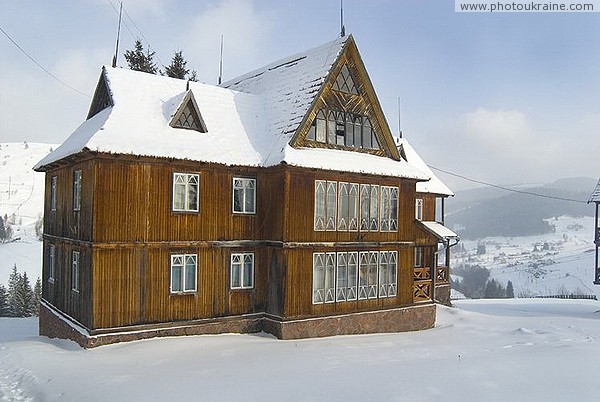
434	185
438	230
250	120
595	197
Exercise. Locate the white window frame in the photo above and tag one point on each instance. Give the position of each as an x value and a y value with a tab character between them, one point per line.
324	267
53	189
77	179
187	181
389	209
181	261
75	270
51	263
238	263
419	209
243	186
326	204
388	274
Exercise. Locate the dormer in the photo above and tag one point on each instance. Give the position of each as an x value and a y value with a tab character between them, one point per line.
102	97
188	115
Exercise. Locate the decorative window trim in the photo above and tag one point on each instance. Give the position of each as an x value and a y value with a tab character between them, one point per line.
325	209
77	179
188	105
244	186
51	263
190	201
389	209
243	263
75	270
53	194
419	209
354	275
333	127
344	82
184	283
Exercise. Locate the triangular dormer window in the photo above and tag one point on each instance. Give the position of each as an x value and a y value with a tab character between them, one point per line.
188	115
344	82
102	98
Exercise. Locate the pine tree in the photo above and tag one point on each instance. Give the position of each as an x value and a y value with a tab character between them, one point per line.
140	61
3	233
177	68
510	291
13	284
37	296
23	300
3	301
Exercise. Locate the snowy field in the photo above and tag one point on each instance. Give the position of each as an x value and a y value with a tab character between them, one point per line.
551	264
482	350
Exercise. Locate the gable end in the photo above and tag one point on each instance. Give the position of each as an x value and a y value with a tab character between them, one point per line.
102	97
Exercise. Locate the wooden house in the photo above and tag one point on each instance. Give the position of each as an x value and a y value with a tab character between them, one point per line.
277	201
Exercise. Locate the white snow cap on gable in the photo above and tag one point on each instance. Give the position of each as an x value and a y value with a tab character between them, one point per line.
250	120
434	185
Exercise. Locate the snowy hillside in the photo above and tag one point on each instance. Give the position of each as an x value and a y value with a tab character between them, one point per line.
557	263
21	194
482	350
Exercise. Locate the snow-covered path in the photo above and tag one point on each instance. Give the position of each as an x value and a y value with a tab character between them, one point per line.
482	350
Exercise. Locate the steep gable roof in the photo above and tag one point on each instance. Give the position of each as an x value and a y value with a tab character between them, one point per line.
250	120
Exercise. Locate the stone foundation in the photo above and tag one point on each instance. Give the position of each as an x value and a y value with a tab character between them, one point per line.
442	294
53	324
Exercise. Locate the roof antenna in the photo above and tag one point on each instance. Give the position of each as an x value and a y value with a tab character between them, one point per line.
399	122
221	62
114	60
342	27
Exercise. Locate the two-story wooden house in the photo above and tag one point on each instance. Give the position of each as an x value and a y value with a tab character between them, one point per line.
277	201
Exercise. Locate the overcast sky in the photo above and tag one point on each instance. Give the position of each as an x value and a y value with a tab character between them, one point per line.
509	98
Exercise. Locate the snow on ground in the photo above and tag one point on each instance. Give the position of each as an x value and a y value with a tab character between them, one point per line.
555	263
482	350
22	194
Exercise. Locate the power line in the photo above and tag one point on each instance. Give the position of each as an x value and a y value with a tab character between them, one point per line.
507	188
40	66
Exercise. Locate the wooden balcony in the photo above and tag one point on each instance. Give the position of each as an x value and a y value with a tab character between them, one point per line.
442	275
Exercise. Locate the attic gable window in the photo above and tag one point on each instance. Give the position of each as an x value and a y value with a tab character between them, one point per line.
343	129
188	115
344	82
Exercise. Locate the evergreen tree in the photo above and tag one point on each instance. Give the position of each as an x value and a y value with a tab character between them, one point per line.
3	233
37	296
140	61
23	300
13	284
510	291
177	68
3	301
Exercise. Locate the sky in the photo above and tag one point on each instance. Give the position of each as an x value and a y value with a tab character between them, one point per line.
507	98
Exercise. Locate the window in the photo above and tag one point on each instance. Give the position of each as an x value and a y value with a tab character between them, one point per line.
325	205
323	278
388	268
348	206
242	271
244	195
348	276
75	271
183	272
344	82
185	192
52	264
77	190
419	209
343	129
53	188
389	209
418	257
374	209
188	115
